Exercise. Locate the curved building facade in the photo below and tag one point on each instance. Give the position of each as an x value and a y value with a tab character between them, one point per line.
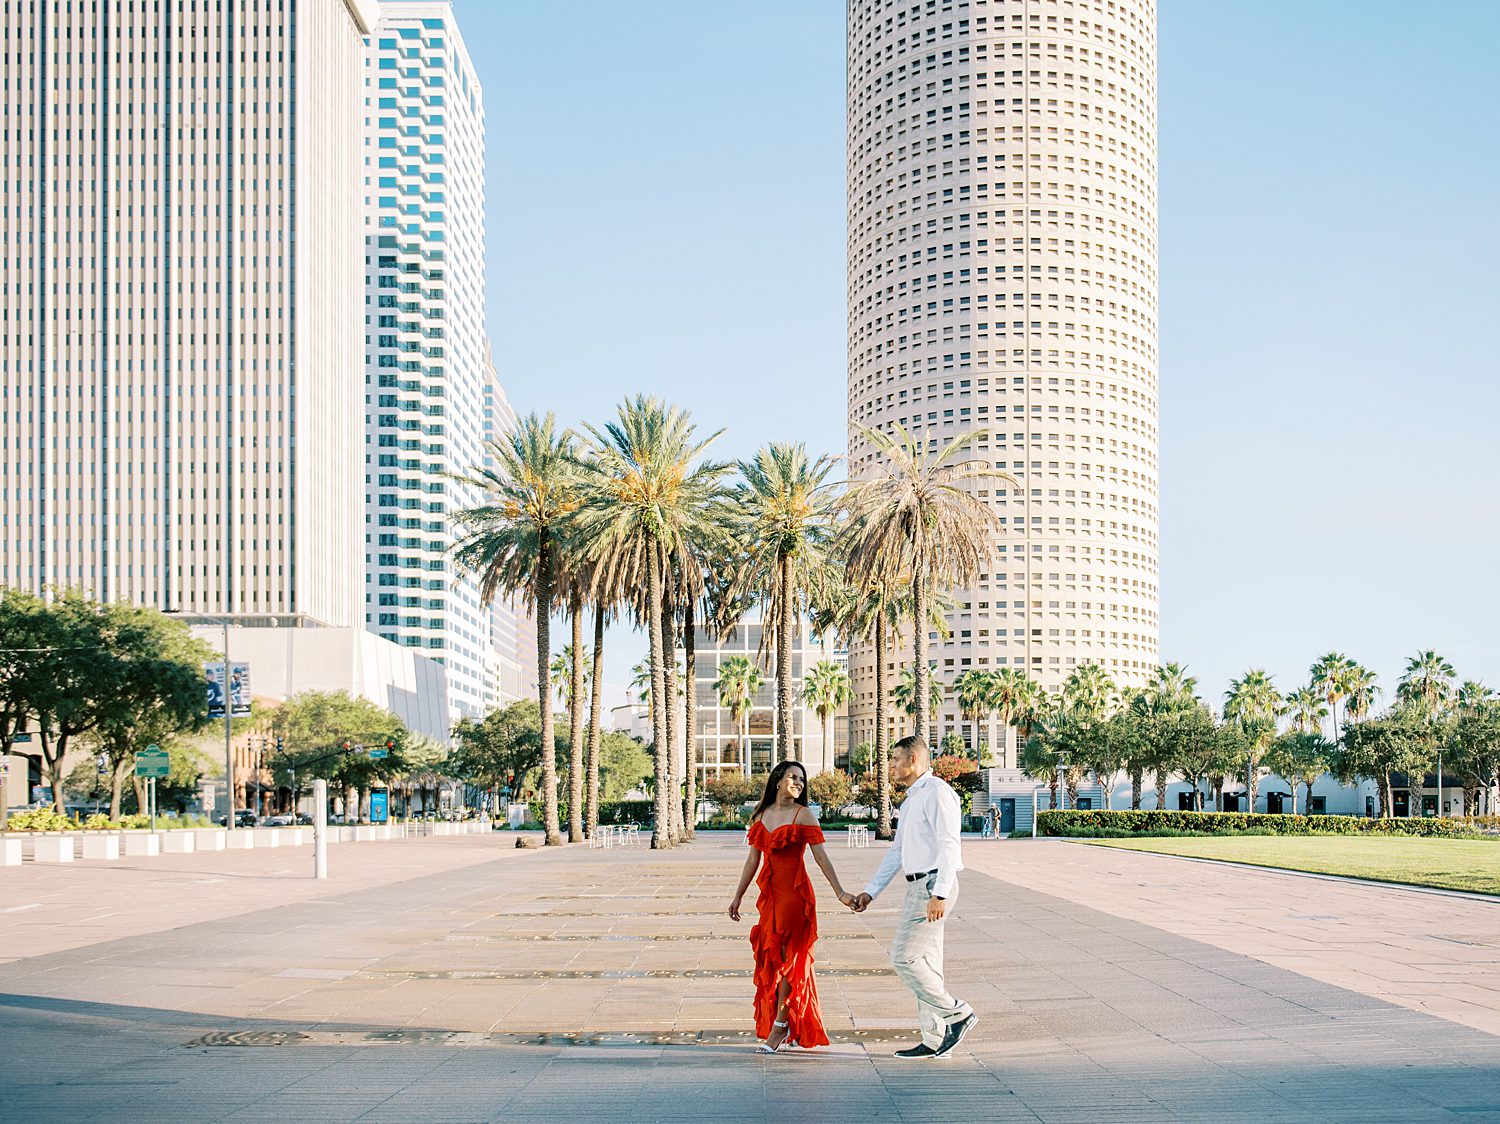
1003	279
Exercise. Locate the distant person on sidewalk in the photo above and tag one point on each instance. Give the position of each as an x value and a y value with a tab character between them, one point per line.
782	827
926	852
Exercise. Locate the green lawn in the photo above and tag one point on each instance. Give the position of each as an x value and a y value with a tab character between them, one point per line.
1449	864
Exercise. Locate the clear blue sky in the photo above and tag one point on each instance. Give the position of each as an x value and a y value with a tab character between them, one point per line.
666	214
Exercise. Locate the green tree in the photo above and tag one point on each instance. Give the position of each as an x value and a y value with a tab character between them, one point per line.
647	489
1306	708
917	522
1330	680
1170	690
1008	696
511	541
973	691
832	789
782	518
826	688
501	750
1252	704
329	734
1403	741
1473	742
739	681
905	691
1427	685
623	765
1300	756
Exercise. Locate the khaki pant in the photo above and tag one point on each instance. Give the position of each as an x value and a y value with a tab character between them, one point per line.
917	956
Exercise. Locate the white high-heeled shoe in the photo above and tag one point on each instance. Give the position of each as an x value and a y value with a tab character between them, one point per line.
767	1047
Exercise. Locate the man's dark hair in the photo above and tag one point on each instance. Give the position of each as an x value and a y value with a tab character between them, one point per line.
912	742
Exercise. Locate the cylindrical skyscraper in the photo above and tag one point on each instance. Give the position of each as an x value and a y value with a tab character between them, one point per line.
1002	279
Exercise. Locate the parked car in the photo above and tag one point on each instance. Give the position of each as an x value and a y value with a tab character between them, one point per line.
304	820
285	819
243	817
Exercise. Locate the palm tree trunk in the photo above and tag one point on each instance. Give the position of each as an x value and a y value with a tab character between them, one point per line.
1161	790
116	785
669	647
575	720
882	739
596	706
1137	782
544	687
1383	783
661	830
784	744
690	715
919	653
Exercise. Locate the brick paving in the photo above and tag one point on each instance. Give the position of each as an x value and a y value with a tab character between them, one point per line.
461	980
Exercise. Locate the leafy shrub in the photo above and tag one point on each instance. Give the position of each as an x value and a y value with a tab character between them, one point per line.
41	819
832	790
100	822
627	811
1102	824
136	822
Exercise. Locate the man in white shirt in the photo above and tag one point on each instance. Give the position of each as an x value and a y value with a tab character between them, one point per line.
926	852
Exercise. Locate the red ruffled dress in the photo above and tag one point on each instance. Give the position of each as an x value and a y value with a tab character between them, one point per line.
783	938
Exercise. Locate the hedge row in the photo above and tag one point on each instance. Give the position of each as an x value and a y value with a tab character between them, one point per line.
1079	823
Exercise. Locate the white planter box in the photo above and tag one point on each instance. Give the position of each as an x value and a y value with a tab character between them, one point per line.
10	852
240	839
209	840
178	842
101	846
365	834
265	836
385	831
294	836
141	844
52	849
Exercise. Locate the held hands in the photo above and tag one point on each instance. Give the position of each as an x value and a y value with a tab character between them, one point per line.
860	903
936	907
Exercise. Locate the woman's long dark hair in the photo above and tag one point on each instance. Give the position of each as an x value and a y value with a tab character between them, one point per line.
773	782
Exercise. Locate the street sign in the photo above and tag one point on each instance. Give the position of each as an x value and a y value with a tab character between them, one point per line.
379	751
152	762
24	736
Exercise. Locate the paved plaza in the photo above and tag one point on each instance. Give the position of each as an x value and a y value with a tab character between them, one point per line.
459	979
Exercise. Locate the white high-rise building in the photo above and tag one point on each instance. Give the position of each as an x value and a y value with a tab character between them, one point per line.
1002	278
180	344
425	367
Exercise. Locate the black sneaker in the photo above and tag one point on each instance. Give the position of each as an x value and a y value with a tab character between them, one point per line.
920	1050
955	1034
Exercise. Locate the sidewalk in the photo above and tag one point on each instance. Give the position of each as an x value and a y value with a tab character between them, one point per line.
465	983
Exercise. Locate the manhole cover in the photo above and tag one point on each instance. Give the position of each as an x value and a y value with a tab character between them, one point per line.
250	1038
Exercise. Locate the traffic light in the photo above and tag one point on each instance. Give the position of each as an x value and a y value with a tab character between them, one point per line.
280	744
348	744
390	743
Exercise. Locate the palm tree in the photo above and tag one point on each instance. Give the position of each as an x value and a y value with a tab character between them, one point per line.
1252	703
1089	693
868	613
1306	707
781	515
1009	691
1360	693
972	690
739	681
609	579
511	541
919	521
1427	684
905	692
1474	696
645	488
1170	691
825	688
1330	679
570	668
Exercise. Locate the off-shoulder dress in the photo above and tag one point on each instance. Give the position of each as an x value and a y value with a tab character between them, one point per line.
784	936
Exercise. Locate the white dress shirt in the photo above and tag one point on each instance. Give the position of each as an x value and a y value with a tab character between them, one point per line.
927	837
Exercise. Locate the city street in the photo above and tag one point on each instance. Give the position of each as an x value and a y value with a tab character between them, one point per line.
458	979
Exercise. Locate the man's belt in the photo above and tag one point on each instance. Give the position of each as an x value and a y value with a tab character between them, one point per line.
924	874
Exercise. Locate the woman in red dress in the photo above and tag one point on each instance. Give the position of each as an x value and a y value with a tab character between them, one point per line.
781	829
